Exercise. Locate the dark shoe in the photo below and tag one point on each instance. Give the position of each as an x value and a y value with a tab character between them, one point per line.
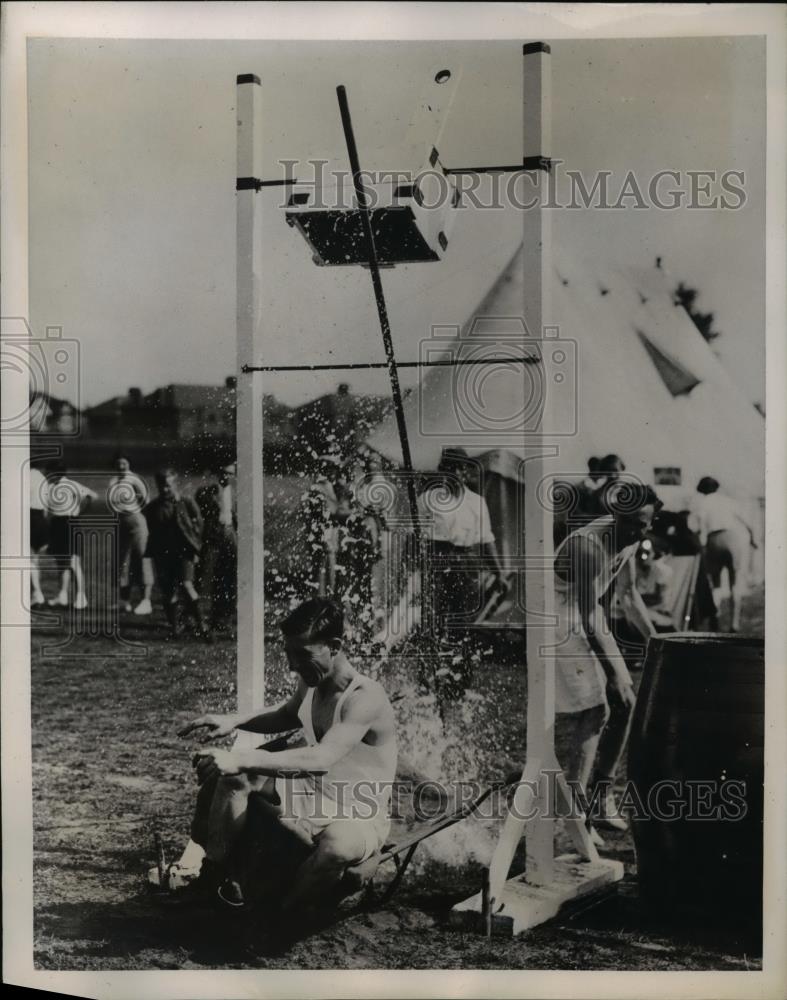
172	611
201	891
230	894
200	622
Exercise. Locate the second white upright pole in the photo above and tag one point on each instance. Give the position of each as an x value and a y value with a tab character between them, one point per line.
530	801
251	641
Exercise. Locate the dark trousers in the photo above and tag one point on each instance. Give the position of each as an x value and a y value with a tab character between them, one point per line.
172	571
455	589
218	573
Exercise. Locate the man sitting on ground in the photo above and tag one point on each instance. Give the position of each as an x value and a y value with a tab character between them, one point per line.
332	796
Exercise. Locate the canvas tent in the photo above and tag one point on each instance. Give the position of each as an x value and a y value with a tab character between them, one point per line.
630	374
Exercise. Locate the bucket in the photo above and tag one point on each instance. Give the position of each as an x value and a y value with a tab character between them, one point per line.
696	764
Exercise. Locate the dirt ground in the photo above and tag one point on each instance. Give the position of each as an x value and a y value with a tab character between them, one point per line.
109	771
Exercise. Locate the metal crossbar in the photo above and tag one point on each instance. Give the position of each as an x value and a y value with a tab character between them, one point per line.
365	365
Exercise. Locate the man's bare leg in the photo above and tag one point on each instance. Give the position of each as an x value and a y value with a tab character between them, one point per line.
339	845
62	597
611	747
577	736
737	591
80	600
35	579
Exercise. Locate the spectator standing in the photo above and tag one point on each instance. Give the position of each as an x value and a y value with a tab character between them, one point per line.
325	509
610	469
174	543
218	565
127	495
726	537
66	500
461	531
39	533
577	504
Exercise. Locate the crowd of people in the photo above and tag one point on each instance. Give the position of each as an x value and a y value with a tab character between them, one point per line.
346	528
300	824
185	545
188	545
615	552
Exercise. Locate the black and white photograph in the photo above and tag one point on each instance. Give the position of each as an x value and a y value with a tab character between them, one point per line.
391	576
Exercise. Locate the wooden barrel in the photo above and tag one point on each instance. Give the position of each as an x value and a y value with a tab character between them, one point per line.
696	767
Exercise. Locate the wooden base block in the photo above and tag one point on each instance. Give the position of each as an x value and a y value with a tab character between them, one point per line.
525	906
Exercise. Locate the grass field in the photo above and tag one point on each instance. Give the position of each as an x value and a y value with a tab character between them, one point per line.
109	770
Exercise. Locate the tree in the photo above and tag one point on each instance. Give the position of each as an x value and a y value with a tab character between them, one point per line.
687	297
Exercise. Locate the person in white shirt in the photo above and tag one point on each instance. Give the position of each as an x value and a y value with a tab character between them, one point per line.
458	524
127	495
66	499
726	538
39	533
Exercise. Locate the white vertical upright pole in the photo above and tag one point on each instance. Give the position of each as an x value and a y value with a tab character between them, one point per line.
249	395
531	796
539	593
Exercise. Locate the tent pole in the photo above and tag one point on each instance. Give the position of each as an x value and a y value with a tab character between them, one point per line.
250	671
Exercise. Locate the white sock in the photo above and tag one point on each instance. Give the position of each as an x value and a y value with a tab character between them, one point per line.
192	855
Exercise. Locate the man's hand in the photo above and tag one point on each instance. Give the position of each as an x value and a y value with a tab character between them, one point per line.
217	726
212	764
621	691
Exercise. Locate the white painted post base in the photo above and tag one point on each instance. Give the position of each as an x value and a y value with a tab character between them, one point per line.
524	906
522	902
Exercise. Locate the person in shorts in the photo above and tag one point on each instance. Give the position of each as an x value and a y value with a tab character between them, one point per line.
66	500
727	539
331	796
174	543
39	533
127	496
594	693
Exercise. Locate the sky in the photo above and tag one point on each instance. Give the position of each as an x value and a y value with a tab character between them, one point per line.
132	204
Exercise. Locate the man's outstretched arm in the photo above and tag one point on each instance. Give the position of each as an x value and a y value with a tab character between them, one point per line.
276	719
360	714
